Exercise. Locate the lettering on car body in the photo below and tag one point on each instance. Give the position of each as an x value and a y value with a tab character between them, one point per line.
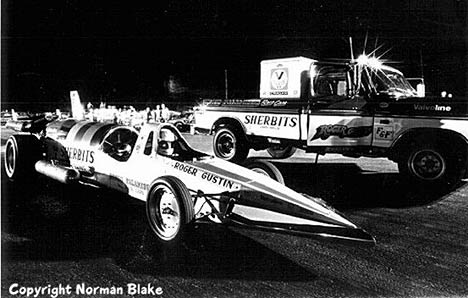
186	168
137	184
204	175
273	103
384	132
271	120
423	107
80	154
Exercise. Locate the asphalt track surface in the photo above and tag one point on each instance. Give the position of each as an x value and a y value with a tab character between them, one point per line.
75	234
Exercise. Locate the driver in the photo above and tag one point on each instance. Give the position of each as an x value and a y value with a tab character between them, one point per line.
166	142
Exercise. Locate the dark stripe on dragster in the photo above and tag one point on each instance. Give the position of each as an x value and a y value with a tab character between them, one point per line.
60	129
332	233
67	125
75	129
219	171
253	198
100	133
79	135
273	202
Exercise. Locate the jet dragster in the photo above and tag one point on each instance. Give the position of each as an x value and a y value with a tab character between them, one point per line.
180	185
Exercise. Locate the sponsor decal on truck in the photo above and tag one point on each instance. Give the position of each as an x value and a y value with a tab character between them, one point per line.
271	120
279	81
342	131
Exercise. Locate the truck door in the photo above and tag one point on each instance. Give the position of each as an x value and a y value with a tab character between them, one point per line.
338	117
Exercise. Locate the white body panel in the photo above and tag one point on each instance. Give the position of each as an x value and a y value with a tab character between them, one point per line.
273	125
329	130
385	134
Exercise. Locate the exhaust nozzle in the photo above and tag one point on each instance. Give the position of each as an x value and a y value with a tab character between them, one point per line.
59	173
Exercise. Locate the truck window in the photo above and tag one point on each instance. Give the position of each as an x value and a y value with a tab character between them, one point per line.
332	88
330	82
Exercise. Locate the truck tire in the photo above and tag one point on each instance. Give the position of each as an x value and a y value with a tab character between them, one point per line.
281	152
265	168
430	164
21	153
169	209
230	144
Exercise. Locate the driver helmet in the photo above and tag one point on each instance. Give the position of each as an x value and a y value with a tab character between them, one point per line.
166	142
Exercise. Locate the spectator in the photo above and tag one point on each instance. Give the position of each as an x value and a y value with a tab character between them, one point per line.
158	114
164	113
148	114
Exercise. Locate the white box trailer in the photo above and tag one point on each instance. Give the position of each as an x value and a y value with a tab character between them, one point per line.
285	78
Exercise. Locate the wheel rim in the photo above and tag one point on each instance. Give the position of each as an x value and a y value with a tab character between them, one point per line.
427	164
225	145
165	213
10	159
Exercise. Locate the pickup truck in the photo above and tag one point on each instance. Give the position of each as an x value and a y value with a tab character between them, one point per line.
355	108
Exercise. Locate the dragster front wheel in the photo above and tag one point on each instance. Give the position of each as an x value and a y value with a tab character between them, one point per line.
169	209
265	168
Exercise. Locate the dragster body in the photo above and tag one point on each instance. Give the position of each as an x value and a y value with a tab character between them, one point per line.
182	188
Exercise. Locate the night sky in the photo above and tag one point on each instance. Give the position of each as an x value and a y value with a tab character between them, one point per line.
177	51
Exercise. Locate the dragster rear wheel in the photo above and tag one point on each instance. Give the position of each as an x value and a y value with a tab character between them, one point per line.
21	153
265	168
169	209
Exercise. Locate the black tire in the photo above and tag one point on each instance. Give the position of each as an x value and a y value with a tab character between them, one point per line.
431	164
21	153
230	144
281	152
265	168
180	205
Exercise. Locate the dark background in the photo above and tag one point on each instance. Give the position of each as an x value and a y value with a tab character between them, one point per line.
143	52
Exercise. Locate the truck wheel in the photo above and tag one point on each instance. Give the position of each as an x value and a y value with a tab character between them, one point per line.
230	144
429	163
265	168
21	153
169	209
281	152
